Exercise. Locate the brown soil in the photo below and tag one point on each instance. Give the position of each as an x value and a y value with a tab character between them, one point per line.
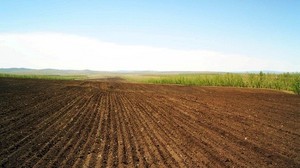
116	124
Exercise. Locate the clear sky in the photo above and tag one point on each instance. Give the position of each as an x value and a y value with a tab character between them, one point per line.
210	35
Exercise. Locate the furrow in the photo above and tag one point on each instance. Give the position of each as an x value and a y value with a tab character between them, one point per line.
114	160
96	150
234	142
64	123
123	113
156	139
50	137
129	136
152	154
125	149
87	150
25	143
57	144
48	122
106	147
160	119
76	154
29	115
71	140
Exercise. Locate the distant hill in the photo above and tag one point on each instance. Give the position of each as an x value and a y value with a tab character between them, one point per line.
91	72
47	71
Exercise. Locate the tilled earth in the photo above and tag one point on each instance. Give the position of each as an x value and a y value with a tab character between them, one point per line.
110	123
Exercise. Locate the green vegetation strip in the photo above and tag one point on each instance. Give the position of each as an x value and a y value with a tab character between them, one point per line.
285	81
46	77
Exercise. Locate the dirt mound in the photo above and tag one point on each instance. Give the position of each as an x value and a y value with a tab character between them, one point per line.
111	124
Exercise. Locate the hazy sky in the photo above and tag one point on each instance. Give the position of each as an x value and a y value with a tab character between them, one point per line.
151	35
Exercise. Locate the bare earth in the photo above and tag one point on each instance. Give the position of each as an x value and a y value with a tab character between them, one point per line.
116	124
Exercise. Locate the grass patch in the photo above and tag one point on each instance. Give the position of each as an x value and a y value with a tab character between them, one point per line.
45	77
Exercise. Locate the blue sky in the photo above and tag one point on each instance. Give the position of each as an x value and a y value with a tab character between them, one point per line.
262	30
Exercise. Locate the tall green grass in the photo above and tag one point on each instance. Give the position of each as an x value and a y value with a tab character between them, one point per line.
285	81
46	77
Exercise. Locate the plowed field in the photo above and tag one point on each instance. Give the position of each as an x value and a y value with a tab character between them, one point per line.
116	124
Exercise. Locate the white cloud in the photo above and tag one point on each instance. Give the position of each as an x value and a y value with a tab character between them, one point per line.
64	51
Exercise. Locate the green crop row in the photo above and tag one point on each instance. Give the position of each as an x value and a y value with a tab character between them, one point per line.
46	77
285	81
